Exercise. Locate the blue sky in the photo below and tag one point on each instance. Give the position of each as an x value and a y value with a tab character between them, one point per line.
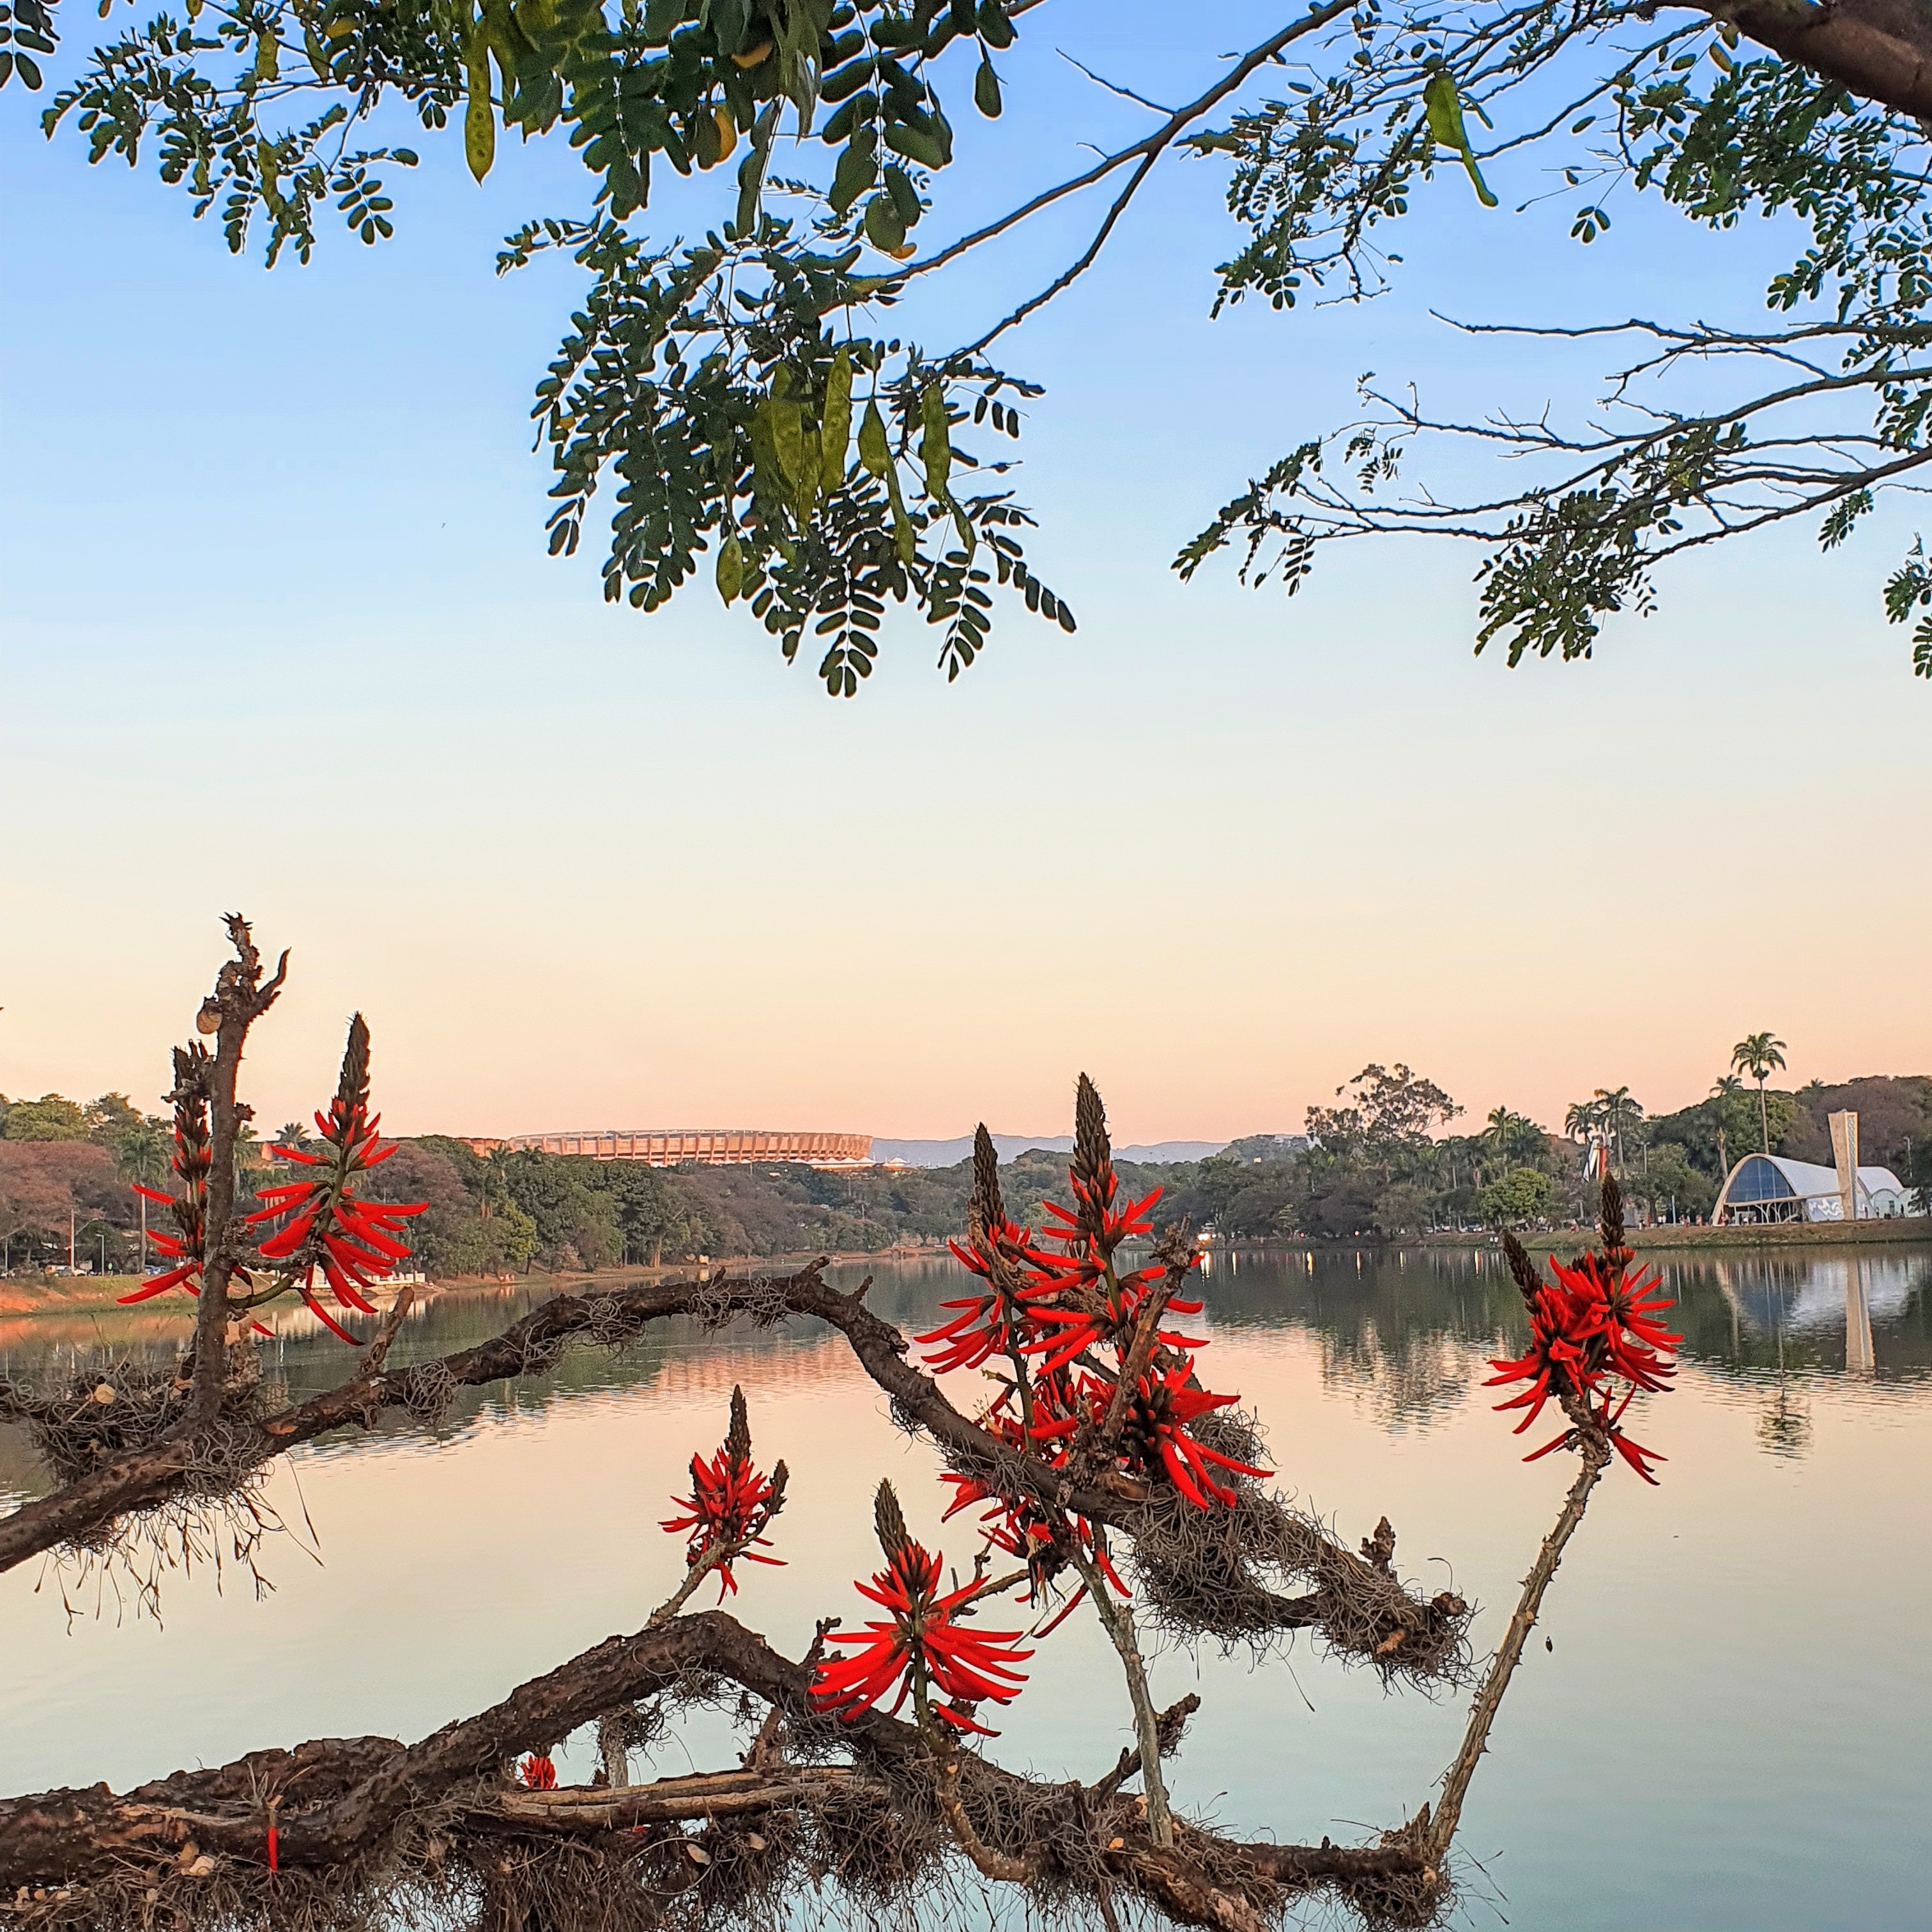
279	633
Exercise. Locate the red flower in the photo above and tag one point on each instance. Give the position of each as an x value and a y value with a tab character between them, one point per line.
354	1243
1104	1316
1621	1310
1096	1222
536	1772
730	1502
191	1162
1154	1436
1596	1325
989	1325
928	1645
925	1639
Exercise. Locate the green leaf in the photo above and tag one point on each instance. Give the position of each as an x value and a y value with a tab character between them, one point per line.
268	57
834	432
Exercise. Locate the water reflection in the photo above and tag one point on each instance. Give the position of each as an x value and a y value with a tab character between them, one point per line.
1406	1335
1736	1756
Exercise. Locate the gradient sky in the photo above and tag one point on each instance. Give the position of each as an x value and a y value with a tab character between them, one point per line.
280	635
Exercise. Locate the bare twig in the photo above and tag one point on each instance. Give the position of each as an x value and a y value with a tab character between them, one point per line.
1146	152
1596	1454
1118	1621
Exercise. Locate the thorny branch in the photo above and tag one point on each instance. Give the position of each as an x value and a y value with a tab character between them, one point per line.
342	1799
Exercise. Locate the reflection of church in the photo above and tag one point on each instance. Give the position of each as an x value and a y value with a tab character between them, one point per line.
1766	1187
1849	1288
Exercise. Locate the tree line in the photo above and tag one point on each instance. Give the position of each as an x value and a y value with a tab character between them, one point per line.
1380	1164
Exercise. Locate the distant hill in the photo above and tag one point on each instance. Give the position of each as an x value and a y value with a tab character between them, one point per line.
950	1154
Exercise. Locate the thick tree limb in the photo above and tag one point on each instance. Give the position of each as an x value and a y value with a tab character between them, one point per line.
149	1475
340	1798
1880	50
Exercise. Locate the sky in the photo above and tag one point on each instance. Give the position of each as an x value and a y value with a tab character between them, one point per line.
280	635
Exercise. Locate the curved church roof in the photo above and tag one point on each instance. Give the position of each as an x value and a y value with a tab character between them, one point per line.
1772	1177
1807	1177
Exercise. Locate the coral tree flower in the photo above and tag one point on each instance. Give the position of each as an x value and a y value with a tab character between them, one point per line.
1072	1324
1595	1342
354	1243
730	1502
927	1644
187	1203
537	1773
191	1162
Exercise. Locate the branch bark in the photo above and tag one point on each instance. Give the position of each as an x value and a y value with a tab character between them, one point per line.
1881	50
340	1797
1596	1454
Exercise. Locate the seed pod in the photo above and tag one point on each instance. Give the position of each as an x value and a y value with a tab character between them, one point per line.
834	432
731	567
935	446
873	452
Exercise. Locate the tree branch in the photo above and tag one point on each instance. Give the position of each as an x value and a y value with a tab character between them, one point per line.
1146	152
1359	1610
339	1799
1880	50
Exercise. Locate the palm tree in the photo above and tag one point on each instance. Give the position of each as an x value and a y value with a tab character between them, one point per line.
1515	1136
1724	1087
1616	1106
1756	1053
141	1158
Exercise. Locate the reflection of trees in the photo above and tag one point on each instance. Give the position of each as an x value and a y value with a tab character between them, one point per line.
1407	1333
1784	1426
1413	1377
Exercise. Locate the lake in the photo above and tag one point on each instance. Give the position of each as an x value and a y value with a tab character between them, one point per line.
1733	1729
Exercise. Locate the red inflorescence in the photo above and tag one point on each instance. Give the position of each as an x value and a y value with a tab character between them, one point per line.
926	1638
1593	1328
189	1208
192	1161
354	1243
537	1773
1060	1315
730	1502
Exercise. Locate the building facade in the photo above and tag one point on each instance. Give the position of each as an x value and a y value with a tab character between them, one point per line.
1765	1187
711	1146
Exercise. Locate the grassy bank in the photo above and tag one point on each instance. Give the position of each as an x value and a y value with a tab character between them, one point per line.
1905	1229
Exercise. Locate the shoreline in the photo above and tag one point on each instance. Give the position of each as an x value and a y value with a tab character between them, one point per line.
29	1298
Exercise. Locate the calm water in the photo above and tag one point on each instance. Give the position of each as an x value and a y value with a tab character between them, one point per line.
1734	1728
